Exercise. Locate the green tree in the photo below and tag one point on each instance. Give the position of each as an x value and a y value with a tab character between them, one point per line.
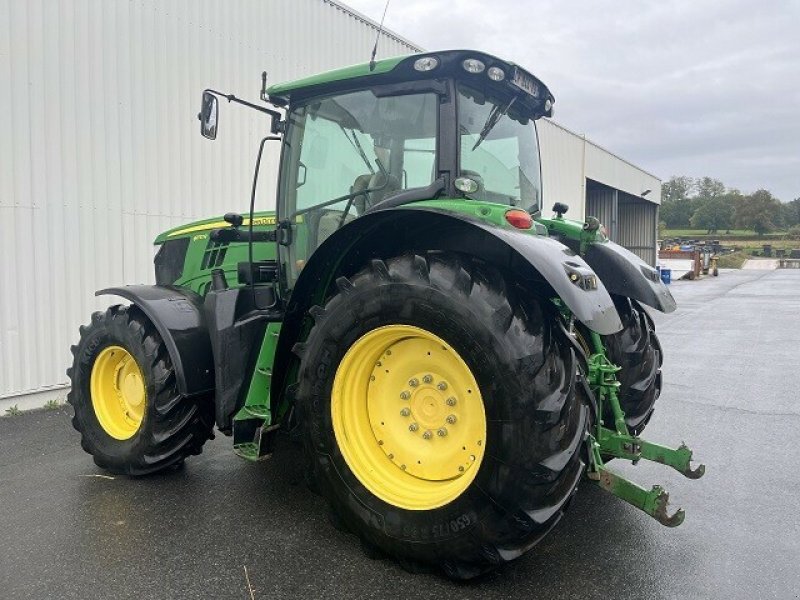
677	213
708	187
760	211
790	213
676	188
713	214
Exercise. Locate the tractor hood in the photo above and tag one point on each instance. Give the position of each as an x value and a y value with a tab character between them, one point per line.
203	226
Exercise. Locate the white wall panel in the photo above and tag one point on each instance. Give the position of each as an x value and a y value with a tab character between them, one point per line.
568	159
610	169
563	177
101	150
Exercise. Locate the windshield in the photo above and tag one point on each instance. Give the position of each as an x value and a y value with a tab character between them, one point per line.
354	150
499	150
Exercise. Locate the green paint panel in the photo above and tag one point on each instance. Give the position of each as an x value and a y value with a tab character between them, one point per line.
281	90
257	402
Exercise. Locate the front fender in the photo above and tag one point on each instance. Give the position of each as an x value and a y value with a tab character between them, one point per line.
382	234
177	315
625	274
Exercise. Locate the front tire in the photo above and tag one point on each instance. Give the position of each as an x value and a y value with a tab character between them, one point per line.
128	410
637	351
467	355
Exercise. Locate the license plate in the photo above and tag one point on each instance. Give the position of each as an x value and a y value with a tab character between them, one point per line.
525	82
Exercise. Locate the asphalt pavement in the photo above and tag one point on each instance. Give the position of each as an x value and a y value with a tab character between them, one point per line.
67	530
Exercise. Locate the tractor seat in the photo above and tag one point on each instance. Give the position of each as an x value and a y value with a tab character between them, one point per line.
370	181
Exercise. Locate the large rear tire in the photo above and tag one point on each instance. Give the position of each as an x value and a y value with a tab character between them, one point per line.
637	350
128	410
439	412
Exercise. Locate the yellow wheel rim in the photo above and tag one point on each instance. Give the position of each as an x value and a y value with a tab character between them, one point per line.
118	392
408	417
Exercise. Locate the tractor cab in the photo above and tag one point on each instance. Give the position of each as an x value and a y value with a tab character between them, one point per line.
455	124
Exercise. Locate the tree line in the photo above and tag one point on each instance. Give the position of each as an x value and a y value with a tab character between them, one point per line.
706	203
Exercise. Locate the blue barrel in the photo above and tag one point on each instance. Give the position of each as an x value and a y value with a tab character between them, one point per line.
666	275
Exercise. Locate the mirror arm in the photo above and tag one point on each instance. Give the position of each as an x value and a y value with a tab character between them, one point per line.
276	116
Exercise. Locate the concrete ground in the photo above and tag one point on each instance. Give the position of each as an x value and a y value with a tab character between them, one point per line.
731	391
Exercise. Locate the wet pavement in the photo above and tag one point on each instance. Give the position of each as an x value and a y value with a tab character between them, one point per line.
731	392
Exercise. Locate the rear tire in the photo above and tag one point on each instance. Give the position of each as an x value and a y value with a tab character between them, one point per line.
164	427
518	489
637	350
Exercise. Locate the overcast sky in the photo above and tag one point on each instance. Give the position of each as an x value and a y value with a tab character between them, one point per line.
679	87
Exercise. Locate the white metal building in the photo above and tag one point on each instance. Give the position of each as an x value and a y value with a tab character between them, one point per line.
101	149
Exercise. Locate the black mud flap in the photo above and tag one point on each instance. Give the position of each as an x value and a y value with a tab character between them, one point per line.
178	316
625	274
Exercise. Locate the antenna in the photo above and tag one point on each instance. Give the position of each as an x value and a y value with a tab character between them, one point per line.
377	37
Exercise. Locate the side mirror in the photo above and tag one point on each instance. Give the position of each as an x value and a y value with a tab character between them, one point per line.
208	116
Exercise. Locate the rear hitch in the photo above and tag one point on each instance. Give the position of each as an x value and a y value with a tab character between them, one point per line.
620	443
653	502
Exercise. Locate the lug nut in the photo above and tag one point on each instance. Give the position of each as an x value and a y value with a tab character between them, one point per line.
427	379
441	432
451	401
405	395
413	382
442	385
413	427
405	412
427	435
451	419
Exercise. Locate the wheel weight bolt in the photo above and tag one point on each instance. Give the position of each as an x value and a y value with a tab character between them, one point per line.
441	432
413	382
413	427
451	419
427	379
451	401
427	435
442	386
405	395
405	412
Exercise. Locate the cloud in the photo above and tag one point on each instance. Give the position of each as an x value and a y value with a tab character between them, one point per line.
678	87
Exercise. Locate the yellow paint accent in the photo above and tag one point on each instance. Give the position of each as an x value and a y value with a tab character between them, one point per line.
408	417
257	222
119	394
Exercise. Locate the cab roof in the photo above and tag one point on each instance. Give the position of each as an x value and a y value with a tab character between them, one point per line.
402	69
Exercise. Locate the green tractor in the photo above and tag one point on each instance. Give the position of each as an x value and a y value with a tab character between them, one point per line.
453	363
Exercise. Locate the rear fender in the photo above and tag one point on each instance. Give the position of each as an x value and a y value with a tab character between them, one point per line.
539	261
177	315
625	274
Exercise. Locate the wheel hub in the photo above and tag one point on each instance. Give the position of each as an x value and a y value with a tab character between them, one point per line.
118	392
422	427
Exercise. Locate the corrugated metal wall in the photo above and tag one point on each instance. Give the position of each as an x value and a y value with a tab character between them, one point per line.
630	221
101	151
600	203
638	227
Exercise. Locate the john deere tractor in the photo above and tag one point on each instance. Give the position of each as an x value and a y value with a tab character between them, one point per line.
454	363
